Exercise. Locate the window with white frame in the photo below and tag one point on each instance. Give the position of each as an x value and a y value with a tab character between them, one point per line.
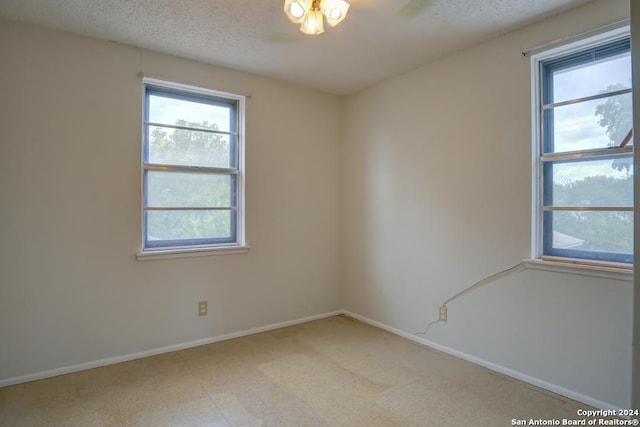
583	149
192	167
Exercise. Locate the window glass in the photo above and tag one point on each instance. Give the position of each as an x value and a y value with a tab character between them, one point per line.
592	78
175	189
197	112
591	234
188	227
586	171
192	189
190	147
591	124
593	183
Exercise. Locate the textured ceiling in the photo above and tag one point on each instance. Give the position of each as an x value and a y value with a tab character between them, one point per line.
374	43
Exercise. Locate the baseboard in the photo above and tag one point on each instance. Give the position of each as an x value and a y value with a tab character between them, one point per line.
489	365
161	350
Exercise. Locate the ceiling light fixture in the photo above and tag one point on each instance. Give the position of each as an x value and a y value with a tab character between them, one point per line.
308	13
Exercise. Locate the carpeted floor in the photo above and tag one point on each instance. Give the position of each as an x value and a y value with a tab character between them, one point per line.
331	372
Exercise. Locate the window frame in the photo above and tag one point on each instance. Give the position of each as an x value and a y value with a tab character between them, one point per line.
236	171
541	235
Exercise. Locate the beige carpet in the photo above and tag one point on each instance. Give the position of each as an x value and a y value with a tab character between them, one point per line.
331	372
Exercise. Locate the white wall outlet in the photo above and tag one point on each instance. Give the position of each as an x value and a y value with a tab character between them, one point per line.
202	308
442	313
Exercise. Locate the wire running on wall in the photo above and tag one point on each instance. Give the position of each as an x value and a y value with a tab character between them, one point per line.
516	268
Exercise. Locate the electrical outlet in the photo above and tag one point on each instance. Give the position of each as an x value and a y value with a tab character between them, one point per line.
202	308
443	313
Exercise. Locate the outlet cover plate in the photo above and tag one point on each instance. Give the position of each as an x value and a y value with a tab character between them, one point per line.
202	308
443	313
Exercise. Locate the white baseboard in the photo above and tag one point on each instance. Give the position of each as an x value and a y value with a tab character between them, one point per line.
489	365
156	351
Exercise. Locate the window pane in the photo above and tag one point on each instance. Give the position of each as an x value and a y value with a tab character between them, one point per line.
592	183
182	112
592	78
594	124
182	189
185	225
190	148
593	231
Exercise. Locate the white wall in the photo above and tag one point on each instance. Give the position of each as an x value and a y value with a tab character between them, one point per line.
71	290
438	196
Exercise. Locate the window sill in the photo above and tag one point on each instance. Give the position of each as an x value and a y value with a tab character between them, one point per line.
191	252
602	271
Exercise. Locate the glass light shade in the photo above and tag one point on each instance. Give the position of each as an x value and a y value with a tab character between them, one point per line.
335	11
313	23
296	9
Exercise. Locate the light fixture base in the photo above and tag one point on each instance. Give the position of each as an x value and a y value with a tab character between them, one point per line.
309	13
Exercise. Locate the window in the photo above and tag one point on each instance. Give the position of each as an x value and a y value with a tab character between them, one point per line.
583	148
192	168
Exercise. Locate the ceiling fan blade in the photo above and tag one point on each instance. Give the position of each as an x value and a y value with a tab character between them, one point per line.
413	8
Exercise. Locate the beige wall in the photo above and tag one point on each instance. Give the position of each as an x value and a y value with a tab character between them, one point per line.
426	185
635	46
71	290
438	196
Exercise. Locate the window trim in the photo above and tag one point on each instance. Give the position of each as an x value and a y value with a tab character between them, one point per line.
612	271
238	245
537	188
